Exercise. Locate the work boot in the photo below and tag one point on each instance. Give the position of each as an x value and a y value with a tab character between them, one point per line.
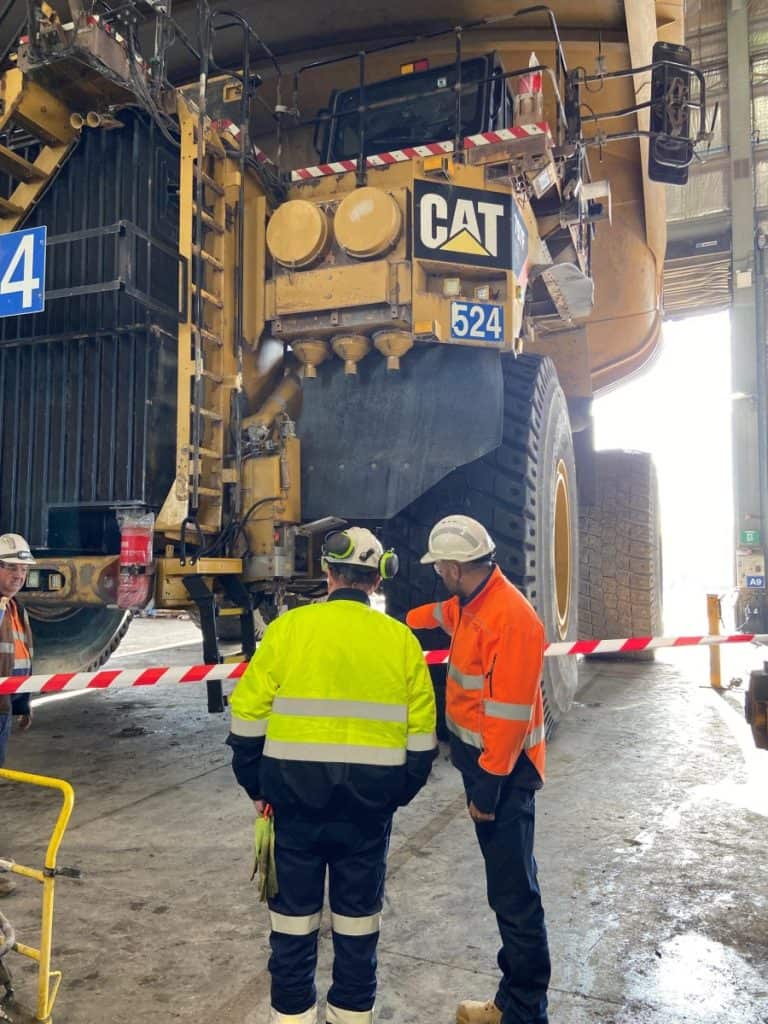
7	885
469	1011
308	1017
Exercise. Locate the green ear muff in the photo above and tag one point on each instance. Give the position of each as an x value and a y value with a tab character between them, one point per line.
338	545
389	565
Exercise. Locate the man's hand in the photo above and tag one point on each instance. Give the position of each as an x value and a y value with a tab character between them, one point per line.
25	721
477	815
259	805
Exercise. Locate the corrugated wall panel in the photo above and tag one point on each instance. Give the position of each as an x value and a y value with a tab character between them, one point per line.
89	385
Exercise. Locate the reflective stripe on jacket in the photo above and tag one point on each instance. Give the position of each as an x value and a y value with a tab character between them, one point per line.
493	694
335	708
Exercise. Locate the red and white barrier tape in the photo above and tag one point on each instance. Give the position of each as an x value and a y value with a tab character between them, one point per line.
118	679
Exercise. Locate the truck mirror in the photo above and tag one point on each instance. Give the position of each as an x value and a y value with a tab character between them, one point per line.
671	149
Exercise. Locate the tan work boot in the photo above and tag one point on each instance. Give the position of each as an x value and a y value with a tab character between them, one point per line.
7	886
469	1011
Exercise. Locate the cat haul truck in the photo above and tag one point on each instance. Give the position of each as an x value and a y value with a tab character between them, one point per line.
269	312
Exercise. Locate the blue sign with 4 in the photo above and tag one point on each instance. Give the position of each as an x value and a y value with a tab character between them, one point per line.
22	272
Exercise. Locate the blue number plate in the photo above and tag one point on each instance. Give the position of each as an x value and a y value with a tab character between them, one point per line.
477	321
22	272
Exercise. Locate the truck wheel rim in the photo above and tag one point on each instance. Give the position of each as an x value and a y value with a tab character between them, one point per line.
563	549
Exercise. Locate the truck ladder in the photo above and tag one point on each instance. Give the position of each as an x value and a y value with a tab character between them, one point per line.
30	110
207	367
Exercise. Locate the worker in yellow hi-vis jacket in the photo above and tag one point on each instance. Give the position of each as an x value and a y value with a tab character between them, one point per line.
333	725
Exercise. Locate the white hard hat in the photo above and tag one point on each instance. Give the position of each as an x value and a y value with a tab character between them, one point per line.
353	546
14	550
458	539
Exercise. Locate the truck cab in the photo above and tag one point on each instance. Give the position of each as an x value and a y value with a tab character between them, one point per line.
418	107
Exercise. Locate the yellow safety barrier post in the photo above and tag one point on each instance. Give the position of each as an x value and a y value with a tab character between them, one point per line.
48	981
713	620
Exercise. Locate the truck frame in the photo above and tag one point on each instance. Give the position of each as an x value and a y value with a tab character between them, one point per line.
247	342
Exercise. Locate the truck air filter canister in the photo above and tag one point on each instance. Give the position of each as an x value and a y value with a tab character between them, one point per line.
367	223
297	233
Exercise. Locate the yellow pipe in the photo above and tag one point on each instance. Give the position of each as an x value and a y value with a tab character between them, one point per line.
713	619
28	951
45	997
19	869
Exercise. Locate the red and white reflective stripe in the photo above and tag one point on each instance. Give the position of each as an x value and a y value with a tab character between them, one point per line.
224	124
398	156
118	679
522	131
394	156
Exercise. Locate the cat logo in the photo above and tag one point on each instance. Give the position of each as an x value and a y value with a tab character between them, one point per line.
467	225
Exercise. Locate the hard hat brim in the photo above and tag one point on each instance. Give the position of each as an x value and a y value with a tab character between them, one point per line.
17	560
429	559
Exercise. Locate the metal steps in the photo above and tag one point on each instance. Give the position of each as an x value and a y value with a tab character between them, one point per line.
26	106
207	358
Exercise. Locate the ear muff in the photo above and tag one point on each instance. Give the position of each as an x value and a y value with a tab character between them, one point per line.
389	565
338	545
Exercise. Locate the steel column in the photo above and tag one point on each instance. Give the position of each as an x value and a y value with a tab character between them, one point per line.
747	345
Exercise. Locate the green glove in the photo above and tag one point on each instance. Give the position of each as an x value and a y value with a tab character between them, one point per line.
264	850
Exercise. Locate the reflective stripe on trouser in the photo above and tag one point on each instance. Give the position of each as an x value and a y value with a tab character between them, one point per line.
308	1017
335	1015
354	853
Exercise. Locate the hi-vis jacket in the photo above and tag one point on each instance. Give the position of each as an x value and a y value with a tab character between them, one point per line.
15	654
494	708
335	715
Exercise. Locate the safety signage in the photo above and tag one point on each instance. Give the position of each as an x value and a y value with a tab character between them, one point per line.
470	226
749	537
755	583
22	272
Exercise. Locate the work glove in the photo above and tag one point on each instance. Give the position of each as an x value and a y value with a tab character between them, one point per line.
264	850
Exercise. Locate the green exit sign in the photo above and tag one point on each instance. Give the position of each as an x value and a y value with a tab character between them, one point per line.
749	537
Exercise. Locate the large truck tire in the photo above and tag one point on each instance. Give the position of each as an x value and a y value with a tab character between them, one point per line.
77	639
620	592
524	492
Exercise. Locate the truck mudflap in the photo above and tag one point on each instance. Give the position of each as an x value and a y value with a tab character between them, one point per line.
374	442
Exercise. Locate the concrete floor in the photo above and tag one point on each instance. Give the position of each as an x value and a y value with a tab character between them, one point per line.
651	844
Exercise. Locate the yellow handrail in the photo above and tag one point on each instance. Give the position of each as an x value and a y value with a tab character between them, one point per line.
48	981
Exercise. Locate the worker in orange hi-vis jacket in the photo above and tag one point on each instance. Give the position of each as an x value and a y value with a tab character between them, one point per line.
495	716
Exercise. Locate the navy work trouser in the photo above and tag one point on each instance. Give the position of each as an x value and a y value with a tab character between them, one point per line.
514	896
355	855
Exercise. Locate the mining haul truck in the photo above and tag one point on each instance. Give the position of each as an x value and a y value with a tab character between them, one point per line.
326	264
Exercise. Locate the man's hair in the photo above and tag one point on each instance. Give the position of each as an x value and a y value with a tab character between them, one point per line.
353	574
484	560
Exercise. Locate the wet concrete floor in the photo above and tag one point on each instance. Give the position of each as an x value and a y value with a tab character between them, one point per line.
652	846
